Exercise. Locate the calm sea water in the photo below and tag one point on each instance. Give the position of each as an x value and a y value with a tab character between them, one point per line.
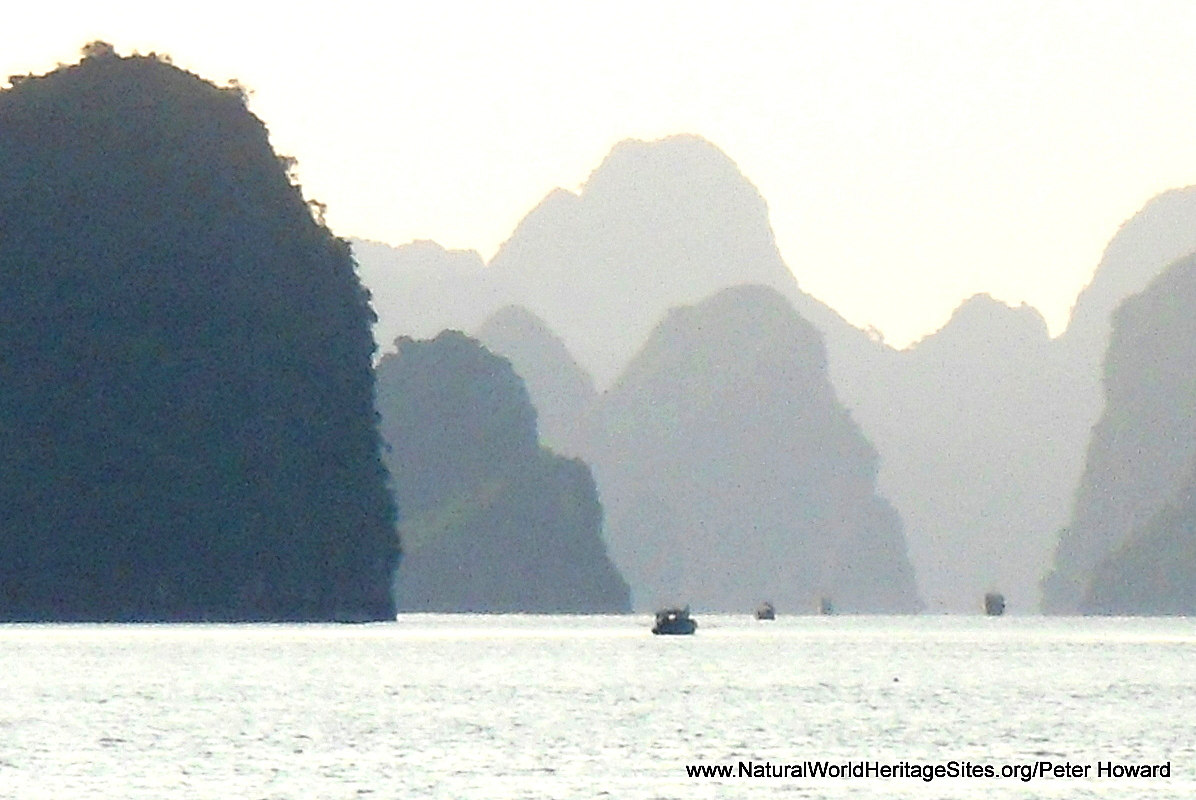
561	707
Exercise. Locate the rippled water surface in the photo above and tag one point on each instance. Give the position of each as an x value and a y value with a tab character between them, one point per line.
562	707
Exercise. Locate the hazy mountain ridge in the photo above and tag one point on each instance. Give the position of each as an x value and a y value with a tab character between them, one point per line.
658	224
1137	256
420	289
669	223
1159	234
982	426
492	522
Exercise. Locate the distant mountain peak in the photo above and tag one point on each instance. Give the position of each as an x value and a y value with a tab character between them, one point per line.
431	252
983	307
514	317
681	161
658	224
985	323
751	316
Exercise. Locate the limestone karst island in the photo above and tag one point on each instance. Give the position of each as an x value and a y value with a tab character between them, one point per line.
212	407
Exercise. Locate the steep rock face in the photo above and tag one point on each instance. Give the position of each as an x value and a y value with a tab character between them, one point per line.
973	456
731	473
186	394
1140	457
491	521
561	391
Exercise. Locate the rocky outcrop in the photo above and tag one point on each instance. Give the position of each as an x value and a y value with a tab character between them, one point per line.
730	471
492	522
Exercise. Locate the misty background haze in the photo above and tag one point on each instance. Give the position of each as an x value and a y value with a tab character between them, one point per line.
913	154
980	428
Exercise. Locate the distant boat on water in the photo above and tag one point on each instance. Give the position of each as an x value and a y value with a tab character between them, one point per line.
994	604
674	621
766	610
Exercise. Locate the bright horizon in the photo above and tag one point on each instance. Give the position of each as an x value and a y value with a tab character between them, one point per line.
912	153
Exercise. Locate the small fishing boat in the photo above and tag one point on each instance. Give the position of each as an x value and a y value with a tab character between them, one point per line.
994	604
674	621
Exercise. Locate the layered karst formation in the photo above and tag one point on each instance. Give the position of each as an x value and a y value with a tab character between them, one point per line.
982	427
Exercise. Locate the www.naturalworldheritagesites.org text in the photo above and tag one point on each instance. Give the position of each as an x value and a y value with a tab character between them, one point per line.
1034	770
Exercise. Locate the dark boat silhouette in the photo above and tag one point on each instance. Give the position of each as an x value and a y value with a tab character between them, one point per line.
674	621
766	611
994	604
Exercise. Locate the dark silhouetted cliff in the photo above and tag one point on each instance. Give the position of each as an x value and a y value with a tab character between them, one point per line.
491	521
186	418
1131	521
561	391
731	473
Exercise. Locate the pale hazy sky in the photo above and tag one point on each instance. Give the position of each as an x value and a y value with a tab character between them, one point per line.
912	153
